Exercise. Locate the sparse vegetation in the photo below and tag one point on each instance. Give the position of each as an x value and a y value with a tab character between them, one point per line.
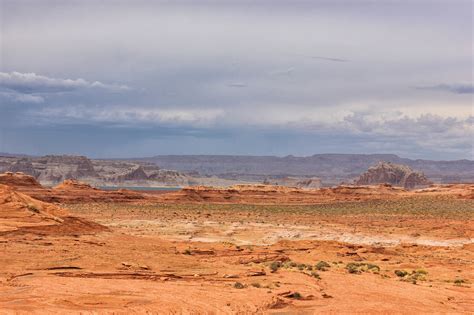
362	267
316	275
400	273
33	208
294	295
322	266
238	285
459	282
274	266
419	206
413	277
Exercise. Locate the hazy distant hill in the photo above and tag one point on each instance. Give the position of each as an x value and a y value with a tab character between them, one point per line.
331	168
182	170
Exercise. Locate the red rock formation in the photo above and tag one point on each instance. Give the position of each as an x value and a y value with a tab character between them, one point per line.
19	180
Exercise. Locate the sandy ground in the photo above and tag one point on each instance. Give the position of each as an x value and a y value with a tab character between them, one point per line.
411	255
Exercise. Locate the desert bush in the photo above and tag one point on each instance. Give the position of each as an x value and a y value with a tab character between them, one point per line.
400	273
459	282
362	267
322	266
238	285
274	266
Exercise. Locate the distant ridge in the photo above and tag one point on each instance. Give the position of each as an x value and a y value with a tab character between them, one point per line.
332	168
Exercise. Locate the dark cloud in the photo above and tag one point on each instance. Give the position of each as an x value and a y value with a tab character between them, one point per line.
239	77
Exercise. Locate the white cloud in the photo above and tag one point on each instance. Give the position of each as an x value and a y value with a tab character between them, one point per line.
131	116
34	83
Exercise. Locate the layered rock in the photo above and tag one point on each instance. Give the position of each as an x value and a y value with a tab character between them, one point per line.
393	174
270	194
72	184
24	166
56	168
299	182
51	170
135	173
18	210
19	180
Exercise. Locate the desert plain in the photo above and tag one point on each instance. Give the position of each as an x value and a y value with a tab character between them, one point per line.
239	250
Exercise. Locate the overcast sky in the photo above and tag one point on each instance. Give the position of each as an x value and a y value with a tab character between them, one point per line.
141	78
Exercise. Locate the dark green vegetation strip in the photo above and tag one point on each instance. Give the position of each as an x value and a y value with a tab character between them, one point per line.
441	207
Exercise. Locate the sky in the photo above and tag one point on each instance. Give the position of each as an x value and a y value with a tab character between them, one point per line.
143	78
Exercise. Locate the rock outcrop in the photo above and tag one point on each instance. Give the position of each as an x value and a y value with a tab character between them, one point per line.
22	214
135	173
393	174
72	184
18	210
298	182
270	194
19	179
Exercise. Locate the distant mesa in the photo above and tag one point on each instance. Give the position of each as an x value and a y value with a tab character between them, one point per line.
393	174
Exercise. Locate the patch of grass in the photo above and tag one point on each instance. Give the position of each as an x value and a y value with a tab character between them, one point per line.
256	285
187	252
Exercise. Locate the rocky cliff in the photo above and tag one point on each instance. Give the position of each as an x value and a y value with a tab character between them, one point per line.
393	174
53	169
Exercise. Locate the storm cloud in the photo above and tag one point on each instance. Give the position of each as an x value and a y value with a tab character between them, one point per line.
236	77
